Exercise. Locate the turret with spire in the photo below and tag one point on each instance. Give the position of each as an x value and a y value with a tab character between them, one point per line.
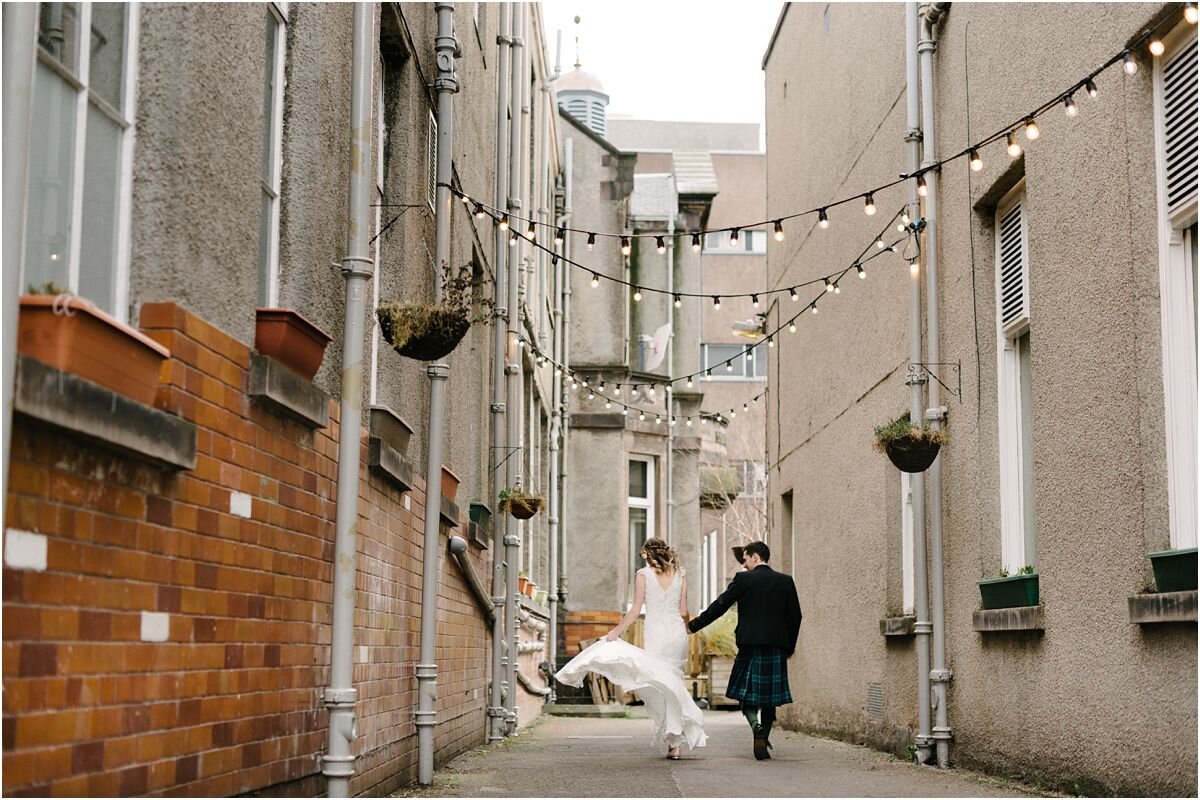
582	95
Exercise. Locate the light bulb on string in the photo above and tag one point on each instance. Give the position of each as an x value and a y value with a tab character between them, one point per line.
695	243
733	237
1157	48
466	201
899	227
657	419
879	243
976	161
678	301
770	341
716	302
689	382
1069	105
745	407
1128	64
1089	86
624	411
754	300
861	272
625	248
532	230
814	308
837	289
904	217
650	391
732	414
749	353
729	366
1189	13
642	416
869	204
792	292
828	285
822	219
660	244
560	235
503	222
792	326
591	241
779	230
513	238
616	390
922	187
913	267
479	212
608	403
689	422
1014	148
595	279
637	294
1032	131
591	395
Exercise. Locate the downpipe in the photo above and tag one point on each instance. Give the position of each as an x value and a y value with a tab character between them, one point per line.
922	627
497	715
357	268
445	85
935	414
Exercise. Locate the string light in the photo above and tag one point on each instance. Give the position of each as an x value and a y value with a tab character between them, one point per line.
560	235
792	326
503	222
869	204
1189	13
861	272
595	279
880	243
689	382
913	268
1157	48
1069	105
657	419
625	245
922	187
828	285
660	245
1090	87
532	231
837	289
1014	149
729	366
591	242
479	212
814	307
695	243
1128	64
689	422
733	237
904	218
716	302
754	300
1032	131
637	294
779	230
795	296
745	407
770	341
513	238
976	161
678	301
822	219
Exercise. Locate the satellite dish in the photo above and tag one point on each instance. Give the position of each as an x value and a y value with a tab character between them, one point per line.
658	348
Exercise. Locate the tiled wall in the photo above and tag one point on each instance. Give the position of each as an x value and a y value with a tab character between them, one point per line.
231	564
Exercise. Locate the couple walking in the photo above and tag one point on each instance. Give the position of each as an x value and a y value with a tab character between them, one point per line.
768	625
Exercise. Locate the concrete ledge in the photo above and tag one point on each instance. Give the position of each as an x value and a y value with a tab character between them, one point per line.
450	512
383	460
286	392
610	710
1022	618
386	424
897	626
1147	609
597	421
69	402
539	611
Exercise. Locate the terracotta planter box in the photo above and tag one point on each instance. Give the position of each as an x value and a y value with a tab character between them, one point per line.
291	340
449	484
72	335
522	582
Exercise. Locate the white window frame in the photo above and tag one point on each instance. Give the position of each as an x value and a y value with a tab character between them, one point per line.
1177	297
907	545
1017	529
269	272
646	503
124	117
380	133
720	373
717	243
431	161
708	568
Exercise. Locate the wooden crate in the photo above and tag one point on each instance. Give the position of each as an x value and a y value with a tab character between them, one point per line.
718	678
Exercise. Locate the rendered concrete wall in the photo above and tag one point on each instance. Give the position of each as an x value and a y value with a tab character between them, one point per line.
1018	700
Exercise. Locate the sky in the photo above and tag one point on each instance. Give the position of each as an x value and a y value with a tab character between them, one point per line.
698	61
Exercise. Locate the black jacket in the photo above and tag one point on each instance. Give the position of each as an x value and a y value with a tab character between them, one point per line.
768	609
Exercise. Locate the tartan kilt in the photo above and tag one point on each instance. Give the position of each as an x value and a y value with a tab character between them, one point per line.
759	677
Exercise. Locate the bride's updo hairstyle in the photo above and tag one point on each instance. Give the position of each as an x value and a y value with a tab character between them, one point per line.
659	555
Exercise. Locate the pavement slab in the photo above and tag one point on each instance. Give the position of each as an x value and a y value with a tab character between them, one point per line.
581	757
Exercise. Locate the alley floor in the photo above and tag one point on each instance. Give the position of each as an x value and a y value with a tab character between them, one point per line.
584	757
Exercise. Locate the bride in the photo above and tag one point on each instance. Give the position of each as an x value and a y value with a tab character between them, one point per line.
656	673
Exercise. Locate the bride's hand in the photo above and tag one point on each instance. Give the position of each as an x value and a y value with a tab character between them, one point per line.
612	636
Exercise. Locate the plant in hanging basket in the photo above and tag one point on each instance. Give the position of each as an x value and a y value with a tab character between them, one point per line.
519	504
428	331
910	448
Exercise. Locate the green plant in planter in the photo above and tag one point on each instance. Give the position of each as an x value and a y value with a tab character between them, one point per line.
1025	570
720	638
428	331
1011	591
49	287
520	504
910	447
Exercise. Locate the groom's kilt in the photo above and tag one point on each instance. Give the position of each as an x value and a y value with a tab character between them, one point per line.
759	677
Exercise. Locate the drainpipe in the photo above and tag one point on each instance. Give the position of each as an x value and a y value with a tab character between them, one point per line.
496	713
446	84
357	268
20	32
922	628
512	455
667	393
940	675
545	214
563	358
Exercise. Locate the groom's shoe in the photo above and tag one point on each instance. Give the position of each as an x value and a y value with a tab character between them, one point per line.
760	744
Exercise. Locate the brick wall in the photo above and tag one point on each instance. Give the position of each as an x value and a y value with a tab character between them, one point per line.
579	626
231	701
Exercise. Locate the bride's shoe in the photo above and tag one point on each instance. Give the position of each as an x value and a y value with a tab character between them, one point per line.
673	754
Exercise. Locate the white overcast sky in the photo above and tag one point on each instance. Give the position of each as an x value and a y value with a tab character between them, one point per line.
697	61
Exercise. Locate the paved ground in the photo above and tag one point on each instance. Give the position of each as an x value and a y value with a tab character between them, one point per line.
579	757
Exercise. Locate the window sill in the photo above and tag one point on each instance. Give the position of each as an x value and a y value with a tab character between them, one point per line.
77	405
286	392
450	513
1149	609
1021	618
897	627
385	461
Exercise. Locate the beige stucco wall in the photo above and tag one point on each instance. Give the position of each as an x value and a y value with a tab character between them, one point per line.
1095	700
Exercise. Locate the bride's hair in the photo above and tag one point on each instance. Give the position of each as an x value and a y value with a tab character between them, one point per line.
660	555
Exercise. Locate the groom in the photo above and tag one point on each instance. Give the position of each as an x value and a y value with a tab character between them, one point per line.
767	629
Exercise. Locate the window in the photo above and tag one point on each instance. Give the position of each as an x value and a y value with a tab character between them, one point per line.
708	569
1175	131
787	537
380	144
641	512
752	476
272	154
732	362
749	243
907	563
77	226
431	161
1014	379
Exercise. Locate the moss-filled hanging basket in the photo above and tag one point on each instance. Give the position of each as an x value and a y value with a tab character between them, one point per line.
912	454
521	506
422	332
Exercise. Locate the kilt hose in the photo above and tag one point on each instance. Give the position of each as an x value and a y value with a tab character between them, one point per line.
759	677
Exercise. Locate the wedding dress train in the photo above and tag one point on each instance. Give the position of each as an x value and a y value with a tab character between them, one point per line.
656	673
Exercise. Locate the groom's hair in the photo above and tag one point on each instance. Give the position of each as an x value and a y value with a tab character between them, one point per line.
759	549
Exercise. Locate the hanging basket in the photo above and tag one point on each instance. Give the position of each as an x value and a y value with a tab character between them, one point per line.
912	454
522	506
422	332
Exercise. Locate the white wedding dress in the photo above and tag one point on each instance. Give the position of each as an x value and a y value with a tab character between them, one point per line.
656	673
